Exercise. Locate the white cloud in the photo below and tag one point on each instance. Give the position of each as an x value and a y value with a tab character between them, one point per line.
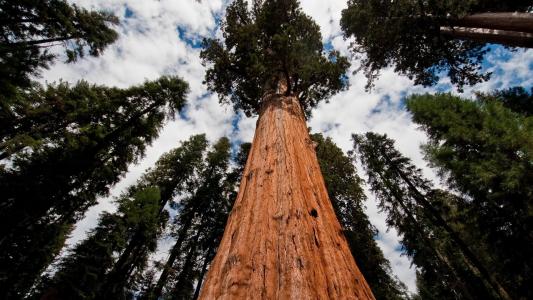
150	46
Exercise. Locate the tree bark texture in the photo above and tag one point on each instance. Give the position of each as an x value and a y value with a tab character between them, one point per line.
282	239
503	37
511	21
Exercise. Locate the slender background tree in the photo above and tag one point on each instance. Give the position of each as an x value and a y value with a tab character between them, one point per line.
483	150
446	263
56	174
199	188
81	274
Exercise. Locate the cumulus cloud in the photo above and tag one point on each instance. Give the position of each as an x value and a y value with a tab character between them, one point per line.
161	37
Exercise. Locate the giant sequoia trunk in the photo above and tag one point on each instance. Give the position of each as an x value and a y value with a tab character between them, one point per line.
282	239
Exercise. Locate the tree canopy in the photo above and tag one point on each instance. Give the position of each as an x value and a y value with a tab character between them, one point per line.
483	150
81	274
67	145
426	220
407	35
193	184
29	28
272	42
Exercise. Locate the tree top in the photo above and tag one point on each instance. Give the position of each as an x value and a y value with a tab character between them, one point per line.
266	43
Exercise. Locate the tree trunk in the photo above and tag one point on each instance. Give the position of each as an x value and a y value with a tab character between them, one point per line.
512	21
493	36
201	277
27	44
185	275
117	278
158	289
282	239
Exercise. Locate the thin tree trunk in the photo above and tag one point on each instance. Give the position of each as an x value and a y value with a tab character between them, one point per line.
129	258
186	271
503	37
156	292
26	44
201	276
511	21
282	239
117	278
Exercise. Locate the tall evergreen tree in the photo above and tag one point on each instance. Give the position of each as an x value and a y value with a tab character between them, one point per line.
173	174
28	28
419	213
483	149
347	196
282	239
421	39
132	232
199	223
62	170
80	275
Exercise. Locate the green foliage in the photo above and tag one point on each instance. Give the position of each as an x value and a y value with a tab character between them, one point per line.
272	42
442	270
199	223
60	113
91	269
68	145
28	28
406	35
111	263
80	274
347	196
484	150
516	99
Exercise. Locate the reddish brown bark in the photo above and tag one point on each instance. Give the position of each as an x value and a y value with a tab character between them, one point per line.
283	240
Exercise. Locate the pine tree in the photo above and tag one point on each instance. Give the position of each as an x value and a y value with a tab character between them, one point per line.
421	39
28	28
58	174
418	212
347	196
172	175
132	232
201	217
80	275
483	150
282	239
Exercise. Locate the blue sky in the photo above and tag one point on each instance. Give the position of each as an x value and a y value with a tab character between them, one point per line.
163	37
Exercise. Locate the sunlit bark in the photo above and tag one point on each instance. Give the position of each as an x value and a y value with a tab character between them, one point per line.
283	240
